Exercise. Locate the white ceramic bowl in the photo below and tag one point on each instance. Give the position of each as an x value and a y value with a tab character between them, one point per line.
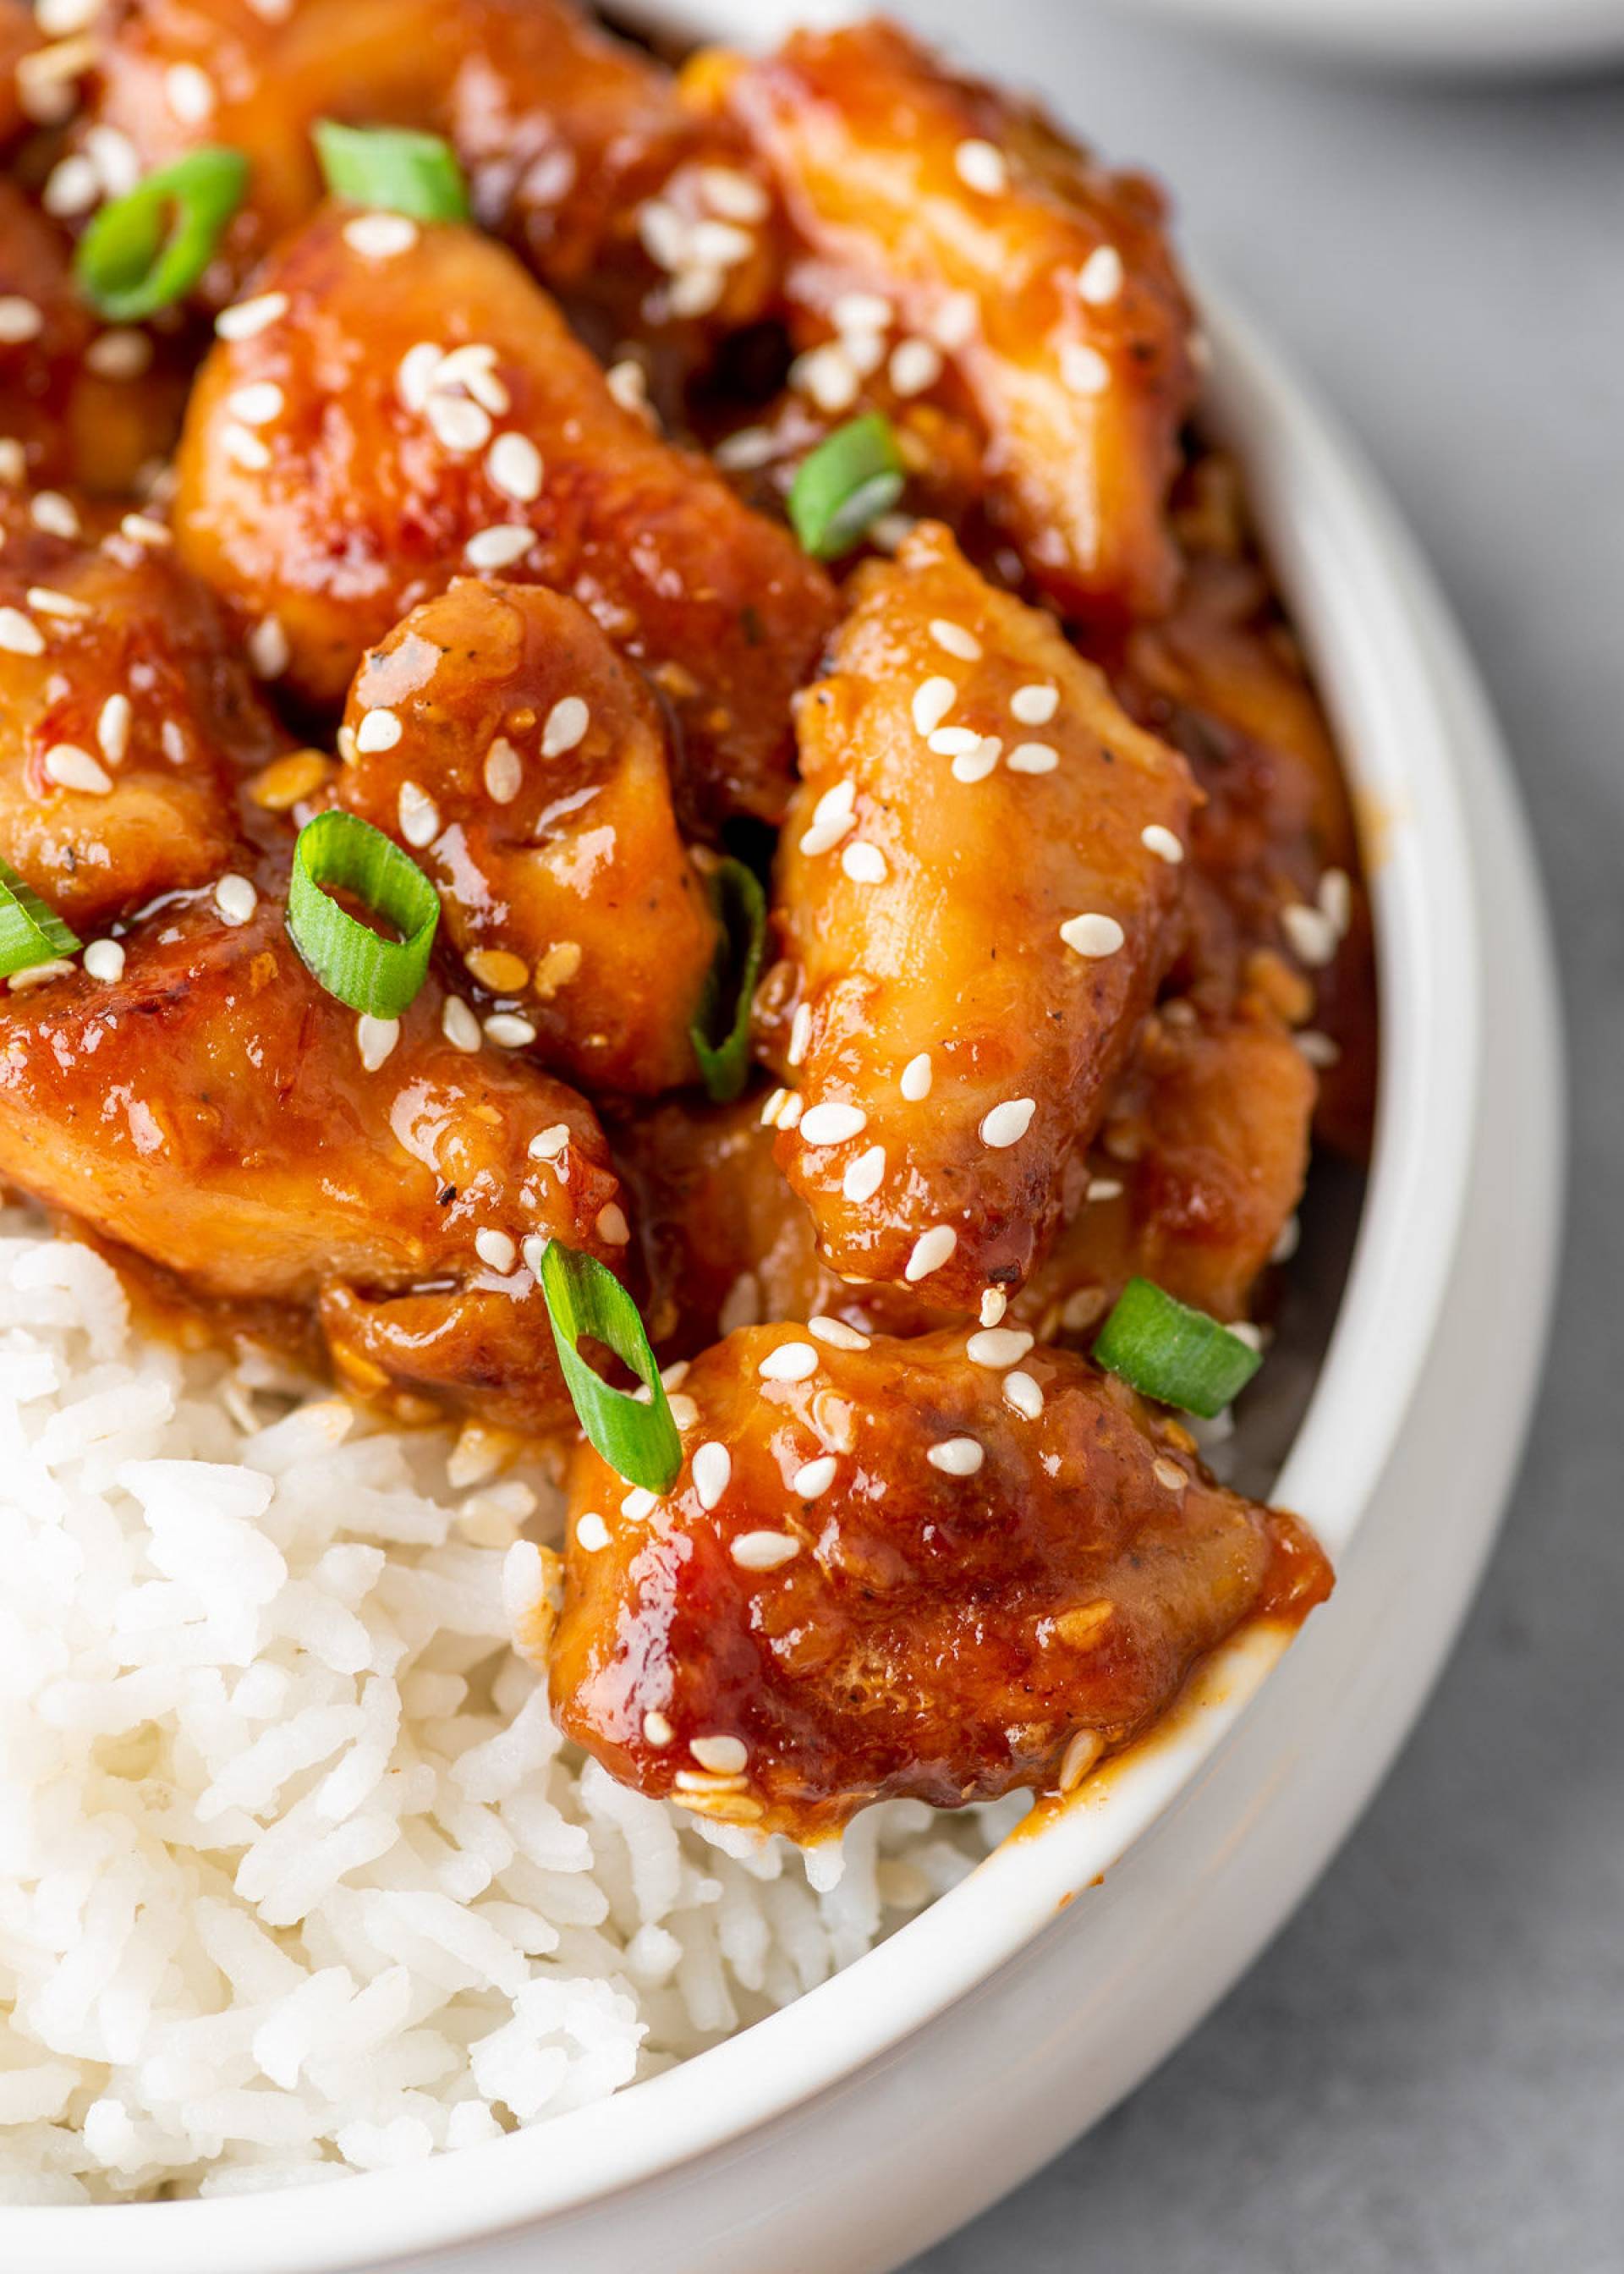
1448	35
894	2100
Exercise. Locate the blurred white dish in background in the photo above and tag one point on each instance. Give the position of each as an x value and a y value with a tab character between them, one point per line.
1494	35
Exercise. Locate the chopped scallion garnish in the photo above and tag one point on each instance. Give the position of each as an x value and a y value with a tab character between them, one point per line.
720	1033
392	170
30	933
147	250
370	972
842	487
1173	1353
639	1442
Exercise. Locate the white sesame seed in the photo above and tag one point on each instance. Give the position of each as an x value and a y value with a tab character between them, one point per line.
746	448
417	373
73	187
56	514
982	166
1170	1474
491	550
916	1077
1007	1124
1078	1758
712	1468
764	1551
994	1303
141	529
612	1228
375	1038
236	898
566	725
953	741
837	1334
1022	1392
189	93
113	728
1083	368
13	460
1034	758
59	19
1035	705
514	465
955	639
772	1107
735	195
547	1144
640	1503
789	1112
914	365
378	730
495	1248
419	815
719	244
957	320
656	1729
591	1533
799	1035
998	1347
864	863
1081	1308
20	319
1162	843
45	601
1318	1049
1100	279
1092	935
722	1756
248	317
860	311
1246	1330
462	427
812	1480
931	1251
828	374
72	768
865	1174
503	772
696	291
933	699
833	1124
119	355
833	817
258	404
104	960
1336	899
1310	934
956	1457
269	653
975	765
459	1026
628	383
38	974
243	447
789	1362
381	236
1105	1188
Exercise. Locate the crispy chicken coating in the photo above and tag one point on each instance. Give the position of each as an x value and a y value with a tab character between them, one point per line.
979	887
414	404
942	1568
529	780
126	714
215	1110
565	133
1044	279
79	404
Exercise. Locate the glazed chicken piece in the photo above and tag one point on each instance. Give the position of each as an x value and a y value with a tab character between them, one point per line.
78	404
127	717
216	1110
978	890
565	134
1046	280
17	35
528	779
912	1568
408	404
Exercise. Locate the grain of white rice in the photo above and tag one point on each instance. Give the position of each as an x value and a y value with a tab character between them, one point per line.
296	1873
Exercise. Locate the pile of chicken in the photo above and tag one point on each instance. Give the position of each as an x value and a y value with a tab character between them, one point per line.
478	531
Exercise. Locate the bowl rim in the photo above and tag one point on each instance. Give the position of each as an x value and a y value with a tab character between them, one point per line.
1367	613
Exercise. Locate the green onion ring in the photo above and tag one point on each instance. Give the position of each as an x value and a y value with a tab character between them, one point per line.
1173	1353
724	1001
392	170
583	1297
147	250
30	933
371	973
842	487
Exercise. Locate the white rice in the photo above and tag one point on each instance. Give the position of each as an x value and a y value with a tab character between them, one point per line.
296	1873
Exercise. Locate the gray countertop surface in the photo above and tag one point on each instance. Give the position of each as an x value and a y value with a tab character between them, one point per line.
1426	2071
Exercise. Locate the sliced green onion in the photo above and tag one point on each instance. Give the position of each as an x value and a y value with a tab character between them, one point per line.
371	973
149	249
584	1297
720	1033
1174	1353
30	932
854	476
392	168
